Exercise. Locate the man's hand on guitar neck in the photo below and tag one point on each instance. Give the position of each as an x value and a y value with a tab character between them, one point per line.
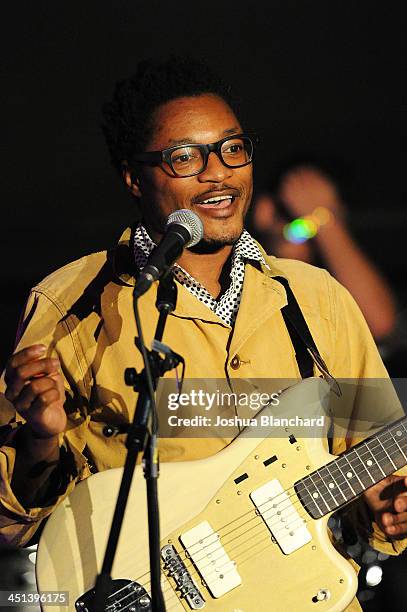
388	502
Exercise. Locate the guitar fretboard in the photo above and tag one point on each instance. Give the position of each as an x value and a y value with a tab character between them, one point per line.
341	480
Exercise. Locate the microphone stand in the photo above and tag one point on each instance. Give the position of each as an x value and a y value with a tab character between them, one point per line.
142	437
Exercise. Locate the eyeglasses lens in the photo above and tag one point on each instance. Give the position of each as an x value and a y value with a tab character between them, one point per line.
189	160
237	151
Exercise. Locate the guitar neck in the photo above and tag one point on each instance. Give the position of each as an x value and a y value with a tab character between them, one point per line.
362	466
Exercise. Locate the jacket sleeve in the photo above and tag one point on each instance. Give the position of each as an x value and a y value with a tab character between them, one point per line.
369	401
44	322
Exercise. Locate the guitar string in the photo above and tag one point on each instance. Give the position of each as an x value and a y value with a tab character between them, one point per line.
191	565
173	593
269	543
176	601
173	599
286	499
227	563
168	587
183	556
261	522
170	592
253	511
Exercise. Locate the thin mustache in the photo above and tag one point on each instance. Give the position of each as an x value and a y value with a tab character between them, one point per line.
207	194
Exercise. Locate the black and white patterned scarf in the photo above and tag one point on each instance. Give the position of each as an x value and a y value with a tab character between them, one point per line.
227	306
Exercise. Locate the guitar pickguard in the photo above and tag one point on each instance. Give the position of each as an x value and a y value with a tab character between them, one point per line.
217	517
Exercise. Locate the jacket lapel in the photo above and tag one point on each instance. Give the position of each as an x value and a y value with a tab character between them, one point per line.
262	298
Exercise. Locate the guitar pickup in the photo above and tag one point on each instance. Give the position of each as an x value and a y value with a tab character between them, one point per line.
211	559
281	516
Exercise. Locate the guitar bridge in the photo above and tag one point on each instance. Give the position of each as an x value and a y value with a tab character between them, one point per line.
175	568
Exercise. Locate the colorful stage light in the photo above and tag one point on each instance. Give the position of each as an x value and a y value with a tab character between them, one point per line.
304	228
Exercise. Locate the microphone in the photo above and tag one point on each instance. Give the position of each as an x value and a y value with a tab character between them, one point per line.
184	229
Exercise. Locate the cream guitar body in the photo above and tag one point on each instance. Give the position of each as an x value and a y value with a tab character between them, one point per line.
234	532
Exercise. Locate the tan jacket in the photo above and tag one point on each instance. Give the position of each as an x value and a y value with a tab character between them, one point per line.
83	312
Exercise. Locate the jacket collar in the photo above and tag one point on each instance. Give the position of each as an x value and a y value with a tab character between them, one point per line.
125	270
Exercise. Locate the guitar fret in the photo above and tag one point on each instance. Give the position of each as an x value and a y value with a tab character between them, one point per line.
403	454
318	492
326	490
397	453
381	455
366	445
361	468
312	499
403	437
344	478
370	465
399	434
383	462
394	450
343	482
309	503
391	461
338	487
308	491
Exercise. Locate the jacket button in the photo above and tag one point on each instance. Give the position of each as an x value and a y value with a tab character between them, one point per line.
235	363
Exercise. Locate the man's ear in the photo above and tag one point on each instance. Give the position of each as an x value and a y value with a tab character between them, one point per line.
132	181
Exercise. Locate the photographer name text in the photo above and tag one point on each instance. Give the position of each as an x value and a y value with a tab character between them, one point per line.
236	421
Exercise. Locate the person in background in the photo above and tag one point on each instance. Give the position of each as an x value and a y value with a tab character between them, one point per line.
308	195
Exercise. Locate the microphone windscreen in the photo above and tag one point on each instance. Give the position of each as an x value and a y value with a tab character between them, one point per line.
190	221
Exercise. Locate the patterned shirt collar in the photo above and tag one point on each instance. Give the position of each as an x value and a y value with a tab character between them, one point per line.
227	305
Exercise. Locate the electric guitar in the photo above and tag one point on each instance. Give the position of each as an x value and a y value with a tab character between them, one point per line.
244	530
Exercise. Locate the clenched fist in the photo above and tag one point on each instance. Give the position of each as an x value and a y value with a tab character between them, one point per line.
35	387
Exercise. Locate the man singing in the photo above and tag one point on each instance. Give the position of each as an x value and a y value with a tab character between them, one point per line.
177	142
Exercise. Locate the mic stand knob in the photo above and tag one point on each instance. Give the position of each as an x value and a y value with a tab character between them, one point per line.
131	377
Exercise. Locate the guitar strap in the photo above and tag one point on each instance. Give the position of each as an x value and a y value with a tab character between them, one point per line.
307	354
306	351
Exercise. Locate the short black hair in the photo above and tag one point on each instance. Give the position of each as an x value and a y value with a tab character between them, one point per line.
127	118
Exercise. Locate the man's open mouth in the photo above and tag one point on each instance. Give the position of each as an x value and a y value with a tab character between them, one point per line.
221	198
216	200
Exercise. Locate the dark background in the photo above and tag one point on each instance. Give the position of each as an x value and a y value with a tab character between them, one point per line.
327	78
324	78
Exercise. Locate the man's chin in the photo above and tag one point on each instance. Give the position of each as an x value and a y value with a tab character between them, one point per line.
213	245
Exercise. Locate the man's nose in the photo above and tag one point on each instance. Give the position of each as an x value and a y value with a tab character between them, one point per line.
215	170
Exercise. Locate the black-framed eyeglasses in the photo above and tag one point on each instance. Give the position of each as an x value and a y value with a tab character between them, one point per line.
191	159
